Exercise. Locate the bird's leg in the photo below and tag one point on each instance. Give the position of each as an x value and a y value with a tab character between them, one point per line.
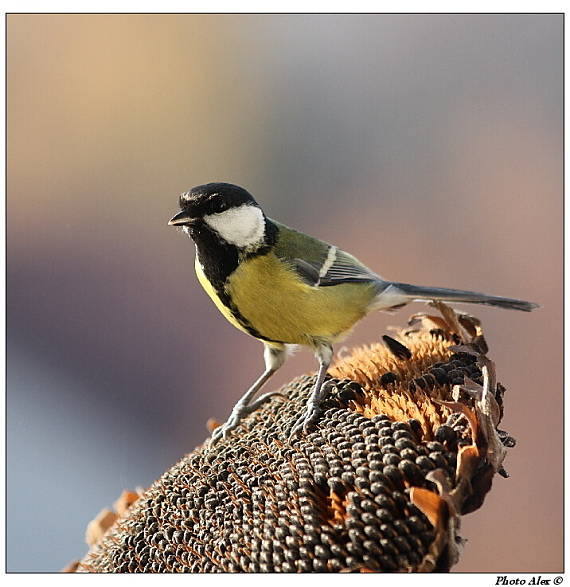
274	358
324	355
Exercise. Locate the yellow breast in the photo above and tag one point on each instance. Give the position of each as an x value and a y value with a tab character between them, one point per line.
215	297
281	307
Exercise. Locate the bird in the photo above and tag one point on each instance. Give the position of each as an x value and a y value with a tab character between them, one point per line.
288	289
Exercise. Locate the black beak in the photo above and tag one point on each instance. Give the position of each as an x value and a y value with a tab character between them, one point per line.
181	219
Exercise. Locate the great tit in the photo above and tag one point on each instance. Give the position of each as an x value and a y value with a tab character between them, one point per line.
286	288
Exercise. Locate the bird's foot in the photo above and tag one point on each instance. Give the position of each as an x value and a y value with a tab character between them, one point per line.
314	410
307	420
239	412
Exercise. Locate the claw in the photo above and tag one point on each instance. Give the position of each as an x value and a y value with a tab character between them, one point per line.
224	430
306	421
238	414
217	434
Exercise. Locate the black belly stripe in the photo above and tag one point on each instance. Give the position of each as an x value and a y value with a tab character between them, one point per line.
226	300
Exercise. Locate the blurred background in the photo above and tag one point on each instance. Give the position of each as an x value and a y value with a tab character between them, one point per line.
430	146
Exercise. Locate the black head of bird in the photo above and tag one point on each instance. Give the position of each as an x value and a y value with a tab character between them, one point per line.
227	211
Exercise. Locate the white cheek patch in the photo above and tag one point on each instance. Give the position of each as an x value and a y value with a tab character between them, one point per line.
243	226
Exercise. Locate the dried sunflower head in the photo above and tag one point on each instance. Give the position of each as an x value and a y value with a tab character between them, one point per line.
407	443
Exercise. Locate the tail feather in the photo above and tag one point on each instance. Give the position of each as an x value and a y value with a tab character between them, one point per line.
421	293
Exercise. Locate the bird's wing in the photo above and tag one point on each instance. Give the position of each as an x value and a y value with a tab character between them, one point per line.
318	263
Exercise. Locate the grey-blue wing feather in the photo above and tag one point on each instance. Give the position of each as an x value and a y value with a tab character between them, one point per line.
347	269
307	272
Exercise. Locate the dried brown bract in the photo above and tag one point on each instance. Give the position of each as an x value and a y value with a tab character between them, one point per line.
408	443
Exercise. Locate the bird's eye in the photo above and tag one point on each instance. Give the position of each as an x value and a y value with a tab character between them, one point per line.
218	205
